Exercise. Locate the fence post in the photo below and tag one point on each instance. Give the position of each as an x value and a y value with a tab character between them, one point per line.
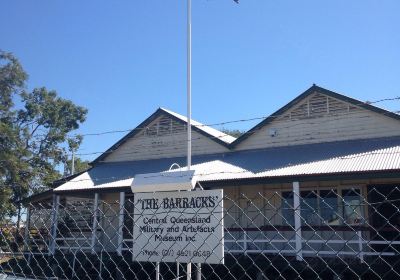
73	264
198	275
121	222
54	219
157	271
26	232
360	245
94	226
189	271
297	220
101	263
244	241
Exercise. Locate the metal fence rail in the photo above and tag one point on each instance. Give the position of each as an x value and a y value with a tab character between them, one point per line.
314	234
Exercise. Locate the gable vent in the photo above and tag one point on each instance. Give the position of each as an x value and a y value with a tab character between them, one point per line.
164	126
319	105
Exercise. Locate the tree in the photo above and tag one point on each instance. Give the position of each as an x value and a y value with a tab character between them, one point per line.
79	166
233	132
74	164
33	135
12	80
44	124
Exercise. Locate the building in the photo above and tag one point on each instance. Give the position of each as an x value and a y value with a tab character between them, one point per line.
319	177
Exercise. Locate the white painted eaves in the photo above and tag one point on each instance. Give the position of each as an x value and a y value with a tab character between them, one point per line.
207	129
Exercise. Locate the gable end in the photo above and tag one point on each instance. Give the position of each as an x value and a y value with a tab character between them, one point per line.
319	102
161	123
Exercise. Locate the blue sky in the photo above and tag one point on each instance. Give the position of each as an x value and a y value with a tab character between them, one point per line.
124	59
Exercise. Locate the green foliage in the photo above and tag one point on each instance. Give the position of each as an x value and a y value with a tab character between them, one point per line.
6	237
33	136
45	122
80	165
233	132
12	79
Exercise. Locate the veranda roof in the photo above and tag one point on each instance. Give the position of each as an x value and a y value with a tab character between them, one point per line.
332	158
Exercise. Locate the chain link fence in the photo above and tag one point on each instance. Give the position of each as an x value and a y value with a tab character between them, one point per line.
332	233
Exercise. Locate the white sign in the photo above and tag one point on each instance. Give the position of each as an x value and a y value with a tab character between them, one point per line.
179	227
164	181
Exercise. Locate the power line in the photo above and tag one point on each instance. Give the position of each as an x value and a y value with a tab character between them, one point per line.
238	120
172	146
168	147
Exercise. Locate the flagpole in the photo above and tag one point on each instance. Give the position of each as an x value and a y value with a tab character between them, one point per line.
189	102
189	83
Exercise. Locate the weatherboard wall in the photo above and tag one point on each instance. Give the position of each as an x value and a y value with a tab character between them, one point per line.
109	221
156	142
321	119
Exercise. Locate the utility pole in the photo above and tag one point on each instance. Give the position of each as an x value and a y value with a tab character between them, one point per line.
73	162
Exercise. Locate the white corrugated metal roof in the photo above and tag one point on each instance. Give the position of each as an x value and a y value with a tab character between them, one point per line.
377	160
323	158
207	129
218	170
211	170
86	182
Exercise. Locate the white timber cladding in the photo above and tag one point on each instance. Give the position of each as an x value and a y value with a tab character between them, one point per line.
320	118
163	138
108	221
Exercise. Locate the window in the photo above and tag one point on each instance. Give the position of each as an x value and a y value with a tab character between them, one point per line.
129	206
318	207
329	207
309	208
287	208
352	210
